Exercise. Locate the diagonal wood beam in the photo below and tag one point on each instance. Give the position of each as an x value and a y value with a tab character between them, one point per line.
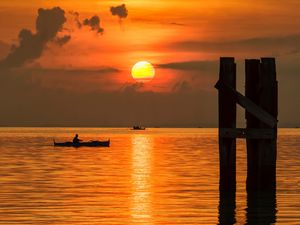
247	104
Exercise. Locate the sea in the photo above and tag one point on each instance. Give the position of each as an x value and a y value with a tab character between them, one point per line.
158	176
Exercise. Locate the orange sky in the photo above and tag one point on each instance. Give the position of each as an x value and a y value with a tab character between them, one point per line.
149	29
183	39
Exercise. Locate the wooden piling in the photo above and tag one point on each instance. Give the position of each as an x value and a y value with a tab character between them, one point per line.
268	100
251	92
261	105
227	207
261	207
227	119
261	88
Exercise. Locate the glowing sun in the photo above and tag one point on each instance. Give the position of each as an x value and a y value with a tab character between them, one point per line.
143	71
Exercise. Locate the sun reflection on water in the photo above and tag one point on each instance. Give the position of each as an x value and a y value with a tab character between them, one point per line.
141	211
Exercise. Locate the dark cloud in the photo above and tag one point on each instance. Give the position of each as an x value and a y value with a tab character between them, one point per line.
31	45
181	86
76	18
27	102
132	88
4	49
269	45
80	79
39	97
94	24
177	24
49	22
120	11
46	97
74	72
63	40
190	65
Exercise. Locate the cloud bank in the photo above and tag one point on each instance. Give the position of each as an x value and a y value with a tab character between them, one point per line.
272	45
190	65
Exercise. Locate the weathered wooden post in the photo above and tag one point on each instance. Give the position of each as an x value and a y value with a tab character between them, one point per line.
227	119
227	208
261	207
227	145
261	88
261	106
252	91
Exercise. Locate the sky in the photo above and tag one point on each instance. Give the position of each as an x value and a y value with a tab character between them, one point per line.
68	62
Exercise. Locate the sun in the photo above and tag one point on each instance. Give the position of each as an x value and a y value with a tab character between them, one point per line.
143	71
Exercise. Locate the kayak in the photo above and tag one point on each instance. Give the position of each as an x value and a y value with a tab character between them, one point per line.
83	144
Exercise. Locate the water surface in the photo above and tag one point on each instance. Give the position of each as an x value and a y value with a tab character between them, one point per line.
151	177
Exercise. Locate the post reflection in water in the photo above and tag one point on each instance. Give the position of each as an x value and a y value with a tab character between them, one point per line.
141	211
227	208
261	207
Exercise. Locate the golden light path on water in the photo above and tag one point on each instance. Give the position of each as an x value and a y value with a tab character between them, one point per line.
141	179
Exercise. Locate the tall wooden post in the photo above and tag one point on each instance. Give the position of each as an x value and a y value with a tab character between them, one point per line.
261	207
227	206
261	88
227	119
268	100
252	92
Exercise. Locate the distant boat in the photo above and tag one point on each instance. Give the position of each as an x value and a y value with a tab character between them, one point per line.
83	144
138	128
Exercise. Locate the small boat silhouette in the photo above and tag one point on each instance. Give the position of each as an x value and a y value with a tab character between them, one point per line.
83	144
138	128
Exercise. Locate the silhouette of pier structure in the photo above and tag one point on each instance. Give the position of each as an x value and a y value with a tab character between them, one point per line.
261	105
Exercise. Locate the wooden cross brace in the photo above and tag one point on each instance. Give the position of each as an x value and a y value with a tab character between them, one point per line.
247	104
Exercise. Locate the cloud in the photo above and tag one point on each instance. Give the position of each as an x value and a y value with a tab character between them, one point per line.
79	80
83	79
49	22
74	71
4	49
132	88
34	106
76	18
94	24
31	45
46	97
181	86
270	45
177	24
190	65
63	40
120	11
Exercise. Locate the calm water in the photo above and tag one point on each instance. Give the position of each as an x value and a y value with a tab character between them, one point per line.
152	177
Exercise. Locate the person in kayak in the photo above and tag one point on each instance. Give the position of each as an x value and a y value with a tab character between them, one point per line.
76	140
